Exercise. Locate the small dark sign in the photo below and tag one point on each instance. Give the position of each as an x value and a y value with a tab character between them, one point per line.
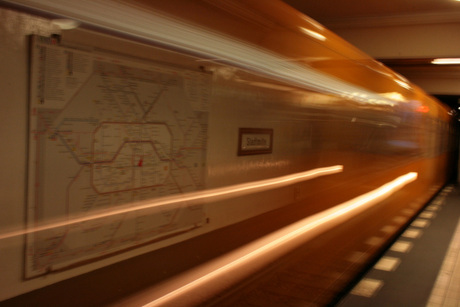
255	141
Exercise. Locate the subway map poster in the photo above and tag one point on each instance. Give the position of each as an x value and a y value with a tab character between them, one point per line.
107	131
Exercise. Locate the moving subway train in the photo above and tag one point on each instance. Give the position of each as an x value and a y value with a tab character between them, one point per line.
201	153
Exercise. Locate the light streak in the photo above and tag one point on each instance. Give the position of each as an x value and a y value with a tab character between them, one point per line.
192	197
211	278
313	34
152	26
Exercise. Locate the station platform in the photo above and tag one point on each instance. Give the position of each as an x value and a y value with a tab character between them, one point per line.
422	267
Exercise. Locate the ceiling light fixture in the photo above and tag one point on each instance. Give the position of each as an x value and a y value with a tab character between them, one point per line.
446	61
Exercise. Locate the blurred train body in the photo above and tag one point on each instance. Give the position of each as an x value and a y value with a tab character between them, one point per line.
309	101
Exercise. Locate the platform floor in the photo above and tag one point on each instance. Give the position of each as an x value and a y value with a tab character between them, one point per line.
422	267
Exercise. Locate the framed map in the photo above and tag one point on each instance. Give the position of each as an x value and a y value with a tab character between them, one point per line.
108	131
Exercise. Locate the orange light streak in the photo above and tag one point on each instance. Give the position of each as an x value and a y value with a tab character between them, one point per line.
193	197
196	286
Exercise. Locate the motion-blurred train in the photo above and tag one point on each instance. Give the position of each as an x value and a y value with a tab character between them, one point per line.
229	153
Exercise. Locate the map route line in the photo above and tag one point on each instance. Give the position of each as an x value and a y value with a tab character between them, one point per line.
182	167
42	120
180	151
78	160
72	152
158	96
112	91
77	91
117	153
74	179
179	187
179	126
138	101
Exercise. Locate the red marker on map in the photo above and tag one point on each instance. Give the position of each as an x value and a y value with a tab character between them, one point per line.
141	160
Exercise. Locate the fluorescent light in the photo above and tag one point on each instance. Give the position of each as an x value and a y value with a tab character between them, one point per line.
446	61
313	34
66	24
404	84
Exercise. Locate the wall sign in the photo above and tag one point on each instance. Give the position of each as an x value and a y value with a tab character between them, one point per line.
255	141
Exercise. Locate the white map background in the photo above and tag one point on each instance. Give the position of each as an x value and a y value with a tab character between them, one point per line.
109	131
